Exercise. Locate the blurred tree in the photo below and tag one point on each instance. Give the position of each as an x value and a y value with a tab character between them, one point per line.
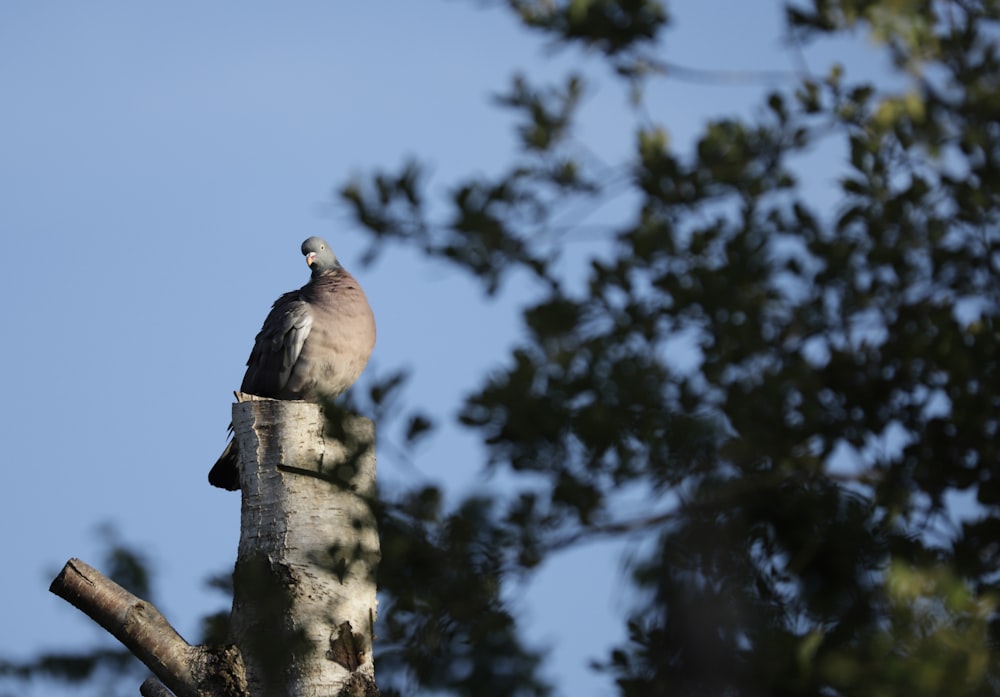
791	479
791	482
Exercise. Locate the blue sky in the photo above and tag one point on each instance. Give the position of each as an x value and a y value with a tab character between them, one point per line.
160	165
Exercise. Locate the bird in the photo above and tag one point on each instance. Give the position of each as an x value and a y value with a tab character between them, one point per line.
314	344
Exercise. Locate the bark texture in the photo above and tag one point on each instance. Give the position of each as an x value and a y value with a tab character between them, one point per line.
304	604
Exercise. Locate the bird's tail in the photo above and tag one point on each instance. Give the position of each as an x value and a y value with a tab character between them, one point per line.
225	473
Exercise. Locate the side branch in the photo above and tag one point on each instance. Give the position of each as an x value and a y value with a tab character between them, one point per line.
144	631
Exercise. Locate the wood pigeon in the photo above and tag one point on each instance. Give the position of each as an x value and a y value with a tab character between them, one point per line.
314	344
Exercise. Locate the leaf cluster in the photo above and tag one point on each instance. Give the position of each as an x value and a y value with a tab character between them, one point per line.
777	397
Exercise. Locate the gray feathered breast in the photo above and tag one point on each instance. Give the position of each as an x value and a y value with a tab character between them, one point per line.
315	341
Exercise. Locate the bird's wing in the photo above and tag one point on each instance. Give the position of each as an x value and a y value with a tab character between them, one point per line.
278	346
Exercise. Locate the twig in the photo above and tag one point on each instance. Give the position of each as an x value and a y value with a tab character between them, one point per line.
151	687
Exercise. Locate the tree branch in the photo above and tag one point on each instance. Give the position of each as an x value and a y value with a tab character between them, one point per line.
144	631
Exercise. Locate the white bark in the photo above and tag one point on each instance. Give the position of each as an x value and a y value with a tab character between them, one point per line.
304	604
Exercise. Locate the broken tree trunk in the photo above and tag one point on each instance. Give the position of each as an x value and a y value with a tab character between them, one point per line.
304	586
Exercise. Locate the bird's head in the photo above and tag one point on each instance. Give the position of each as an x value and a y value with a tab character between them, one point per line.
319	256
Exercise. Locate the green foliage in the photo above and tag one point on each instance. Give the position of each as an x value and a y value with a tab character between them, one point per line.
444	625
612	26
841	380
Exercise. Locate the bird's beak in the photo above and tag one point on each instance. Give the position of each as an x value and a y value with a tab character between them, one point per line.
310	258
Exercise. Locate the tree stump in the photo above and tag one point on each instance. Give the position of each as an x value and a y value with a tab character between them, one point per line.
304	600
